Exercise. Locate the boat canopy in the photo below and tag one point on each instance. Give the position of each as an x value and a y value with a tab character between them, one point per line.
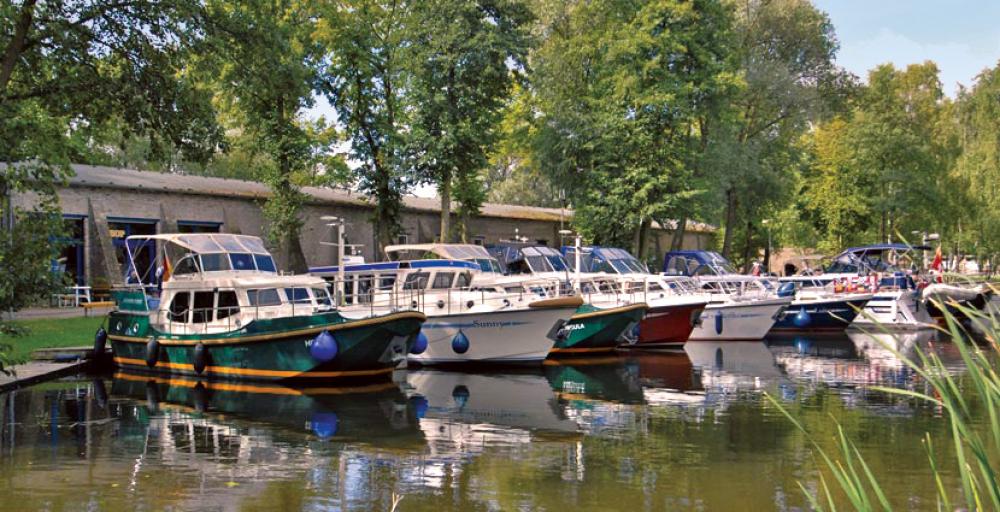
202	243
604	259
696	263
196	253
434	251
525	258
872	258
461	252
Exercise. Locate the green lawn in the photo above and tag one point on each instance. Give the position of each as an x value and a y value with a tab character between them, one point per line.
53	333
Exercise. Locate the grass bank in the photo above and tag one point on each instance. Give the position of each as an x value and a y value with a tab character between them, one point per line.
52	333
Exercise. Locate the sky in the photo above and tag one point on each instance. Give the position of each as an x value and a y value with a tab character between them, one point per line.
961	36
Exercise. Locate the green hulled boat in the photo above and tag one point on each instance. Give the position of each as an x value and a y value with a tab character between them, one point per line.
594	329
223	312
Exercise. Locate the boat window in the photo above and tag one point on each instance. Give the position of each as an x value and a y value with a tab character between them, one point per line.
322	297
229	243
538	263
655	287
202	310
226	304
241	261
264	263
298	295
187	265
179	307
514	289
265	297
214	262
416	281
254	244
386	283
442	280
464	280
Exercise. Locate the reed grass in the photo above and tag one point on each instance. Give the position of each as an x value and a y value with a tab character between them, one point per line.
976	449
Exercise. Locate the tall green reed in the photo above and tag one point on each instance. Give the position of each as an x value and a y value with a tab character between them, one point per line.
977	450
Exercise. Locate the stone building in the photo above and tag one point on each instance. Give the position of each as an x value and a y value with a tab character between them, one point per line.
103	205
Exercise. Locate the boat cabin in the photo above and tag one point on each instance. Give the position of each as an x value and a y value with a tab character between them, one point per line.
215	283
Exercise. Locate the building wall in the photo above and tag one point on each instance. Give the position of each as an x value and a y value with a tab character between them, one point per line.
244	215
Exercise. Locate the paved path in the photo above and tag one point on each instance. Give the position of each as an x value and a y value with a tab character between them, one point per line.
38	371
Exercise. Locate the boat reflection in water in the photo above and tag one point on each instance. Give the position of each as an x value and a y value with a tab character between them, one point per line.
376	413
600	394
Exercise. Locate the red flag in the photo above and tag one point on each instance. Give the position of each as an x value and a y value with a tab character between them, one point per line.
937	260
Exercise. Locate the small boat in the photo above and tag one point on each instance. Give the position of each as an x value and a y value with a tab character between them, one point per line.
938	296
467	322
218	308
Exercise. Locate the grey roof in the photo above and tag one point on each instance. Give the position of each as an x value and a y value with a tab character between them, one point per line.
115	177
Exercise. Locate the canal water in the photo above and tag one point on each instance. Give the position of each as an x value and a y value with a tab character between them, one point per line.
689	430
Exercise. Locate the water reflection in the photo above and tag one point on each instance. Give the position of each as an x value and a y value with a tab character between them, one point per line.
668	430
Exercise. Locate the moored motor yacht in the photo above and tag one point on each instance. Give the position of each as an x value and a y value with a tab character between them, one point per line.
467	323
813	308
896	302
217	307
675	304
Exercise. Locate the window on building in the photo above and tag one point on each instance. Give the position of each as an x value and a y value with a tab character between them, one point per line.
479	240
204	303
402	239
263	297
227	305
179	306
72	260
194	226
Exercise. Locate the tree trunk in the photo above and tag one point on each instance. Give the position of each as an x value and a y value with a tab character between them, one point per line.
444	188
746	248
677	240
16	45
727	241
640	239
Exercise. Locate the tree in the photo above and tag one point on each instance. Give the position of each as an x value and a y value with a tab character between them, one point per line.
364	82
461	60
623	91
977	170
785	54
267	62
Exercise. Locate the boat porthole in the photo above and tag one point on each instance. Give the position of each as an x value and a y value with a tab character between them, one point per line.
440	304
470	304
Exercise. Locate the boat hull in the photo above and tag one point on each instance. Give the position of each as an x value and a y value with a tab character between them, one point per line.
821	315
594	329
900	309
668	326
269	350
747	321
504	337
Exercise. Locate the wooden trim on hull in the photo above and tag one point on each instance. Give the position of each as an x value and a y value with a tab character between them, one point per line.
225	371
562	302
350	324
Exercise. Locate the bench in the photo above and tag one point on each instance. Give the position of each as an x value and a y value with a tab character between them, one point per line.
87	306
